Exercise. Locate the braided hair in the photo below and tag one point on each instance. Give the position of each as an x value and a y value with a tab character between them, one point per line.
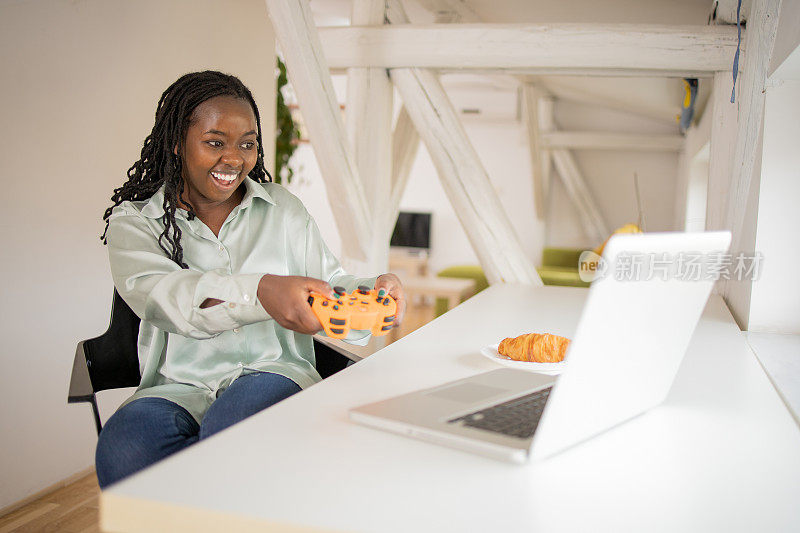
159	165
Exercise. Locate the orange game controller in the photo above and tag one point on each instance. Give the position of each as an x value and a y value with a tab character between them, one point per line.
361	309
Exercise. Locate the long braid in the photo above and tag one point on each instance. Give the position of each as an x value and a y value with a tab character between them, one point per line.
158	165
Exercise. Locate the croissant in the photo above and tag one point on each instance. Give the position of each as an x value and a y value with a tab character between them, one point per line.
535	347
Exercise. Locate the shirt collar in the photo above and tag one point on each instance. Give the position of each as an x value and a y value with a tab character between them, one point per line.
154	208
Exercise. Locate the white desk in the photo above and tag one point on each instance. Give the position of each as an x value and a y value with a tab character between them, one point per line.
780	356
722	453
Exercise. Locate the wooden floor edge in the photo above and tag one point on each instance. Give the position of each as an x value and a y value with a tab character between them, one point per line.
46	491
124	513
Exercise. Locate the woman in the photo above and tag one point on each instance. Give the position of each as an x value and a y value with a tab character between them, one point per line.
218	263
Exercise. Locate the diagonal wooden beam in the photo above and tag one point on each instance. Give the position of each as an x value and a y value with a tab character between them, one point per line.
310	77
576	48
593	224
462	174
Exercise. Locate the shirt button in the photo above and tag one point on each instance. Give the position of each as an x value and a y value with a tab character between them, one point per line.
231	305
246	297
236	330
240	365
221	248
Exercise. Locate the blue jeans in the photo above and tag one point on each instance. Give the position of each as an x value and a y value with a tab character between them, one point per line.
149	429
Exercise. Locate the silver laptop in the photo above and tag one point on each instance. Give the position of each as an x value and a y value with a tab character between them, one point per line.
641	311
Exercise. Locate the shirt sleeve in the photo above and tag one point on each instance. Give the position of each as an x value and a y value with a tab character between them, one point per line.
169	297
322	264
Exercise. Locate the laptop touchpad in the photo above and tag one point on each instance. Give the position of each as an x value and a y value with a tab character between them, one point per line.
467	392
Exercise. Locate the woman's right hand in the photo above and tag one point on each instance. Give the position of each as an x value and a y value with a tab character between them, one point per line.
285	298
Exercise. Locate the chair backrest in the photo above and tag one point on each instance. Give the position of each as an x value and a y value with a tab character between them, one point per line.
112	358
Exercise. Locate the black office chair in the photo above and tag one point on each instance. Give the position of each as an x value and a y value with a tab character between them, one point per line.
111	361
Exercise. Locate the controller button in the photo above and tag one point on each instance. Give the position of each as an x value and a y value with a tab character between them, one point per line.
386	301
379	299
325	303
336	307
311	300
337	331
337	321
339	302
386	328
339	289
389	319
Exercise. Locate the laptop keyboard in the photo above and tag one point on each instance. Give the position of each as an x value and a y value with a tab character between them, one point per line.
515	418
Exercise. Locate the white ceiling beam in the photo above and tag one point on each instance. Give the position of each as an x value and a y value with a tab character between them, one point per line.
724	11
309	74
368	114
568	92
591	140
582	48
450	10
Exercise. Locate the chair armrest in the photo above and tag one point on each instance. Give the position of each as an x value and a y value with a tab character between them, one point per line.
80	384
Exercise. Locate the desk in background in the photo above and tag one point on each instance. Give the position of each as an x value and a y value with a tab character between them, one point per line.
721	454
421	293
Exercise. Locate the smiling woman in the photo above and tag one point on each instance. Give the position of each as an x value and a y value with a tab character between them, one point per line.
219	264
219	151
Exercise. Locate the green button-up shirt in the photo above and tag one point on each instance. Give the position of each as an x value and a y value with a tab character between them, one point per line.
190	355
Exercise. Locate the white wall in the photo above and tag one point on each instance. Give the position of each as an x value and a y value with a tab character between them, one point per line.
775	297
80	85
609	176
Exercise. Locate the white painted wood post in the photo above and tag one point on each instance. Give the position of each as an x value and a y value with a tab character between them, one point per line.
762	25
368	115
531	99
310	77
723	144
547	124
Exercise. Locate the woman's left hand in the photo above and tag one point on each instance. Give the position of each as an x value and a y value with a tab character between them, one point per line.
391	284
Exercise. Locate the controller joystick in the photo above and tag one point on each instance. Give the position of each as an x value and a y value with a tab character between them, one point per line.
361	309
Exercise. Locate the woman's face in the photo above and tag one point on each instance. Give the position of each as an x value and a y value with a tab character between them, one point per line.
219	151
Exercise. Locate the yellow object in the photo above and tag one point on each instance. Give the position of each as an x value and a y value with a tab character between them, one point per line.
627	228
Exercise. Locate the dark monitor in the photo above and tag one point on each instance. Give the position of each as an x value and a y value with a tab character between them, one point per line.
413	230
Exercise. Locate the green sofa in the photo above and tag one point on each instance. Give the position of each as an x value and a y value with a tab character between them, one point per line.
559	267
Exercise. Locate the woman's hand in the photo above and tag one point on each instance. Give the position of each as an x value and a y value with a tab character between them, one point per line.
391	284
285	298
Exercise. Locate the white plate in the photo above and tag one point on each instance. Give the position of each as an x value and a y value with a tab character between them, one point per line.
490	352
